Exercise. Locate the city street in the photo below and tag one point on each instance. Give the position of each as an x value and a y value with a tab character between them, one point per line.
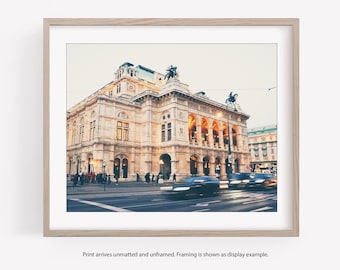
143	197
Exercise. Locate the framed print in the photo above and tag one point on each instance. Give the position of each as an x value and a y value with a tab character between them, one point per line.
171	127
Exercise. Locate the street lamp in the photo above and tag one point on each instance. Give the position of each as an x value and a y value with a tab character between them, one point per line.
161	164
230	160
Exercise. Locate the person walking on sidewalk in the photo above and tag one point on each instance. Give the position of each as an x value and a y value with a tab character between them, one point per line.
116	177
75	179
147	177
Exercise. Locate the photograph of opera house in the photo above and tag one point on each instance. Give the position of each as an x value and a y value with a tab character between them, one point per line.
144	121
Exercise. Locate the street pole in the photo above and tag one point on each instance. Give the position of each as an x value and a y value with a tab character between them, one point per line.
230	160
161	163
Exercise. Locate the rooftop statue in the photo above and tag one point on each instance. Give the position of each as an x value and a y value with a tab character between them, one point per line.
171	72
231	100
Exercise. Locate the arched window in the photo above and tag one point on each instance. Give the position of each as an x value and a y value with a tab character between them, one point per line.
234	134
193	165
192	128
204	130
206	165
215	127
165	166
225	135
125	168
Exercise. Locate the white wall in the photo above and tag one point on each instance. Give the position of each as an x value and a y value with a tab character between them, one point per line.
22	243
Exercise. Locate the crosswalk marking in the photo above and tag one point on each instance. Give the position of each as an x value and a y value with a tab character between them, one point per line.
206	203
101	205
202	210
262	209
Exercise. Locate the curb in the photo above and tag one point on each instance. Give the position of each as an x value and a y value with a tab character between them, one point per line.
99	189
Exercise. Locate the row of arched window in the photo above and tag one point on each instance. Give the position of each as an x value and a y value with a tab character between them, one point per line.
199	131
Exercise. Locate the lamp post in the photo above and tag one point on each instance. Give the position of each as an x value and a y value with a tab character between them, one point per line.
104	165
161	164
230	160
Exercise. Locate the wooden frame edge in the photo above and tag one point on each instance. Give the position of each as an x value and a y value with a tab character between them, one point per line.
293	22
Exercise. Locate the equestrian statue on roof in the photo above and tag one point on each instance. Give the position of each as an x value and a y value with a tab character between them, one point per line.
171	73
231	100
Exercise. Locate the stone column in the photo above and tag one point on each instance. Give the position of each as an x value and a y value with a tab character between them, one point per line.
220	138
223	170
210	137
200	167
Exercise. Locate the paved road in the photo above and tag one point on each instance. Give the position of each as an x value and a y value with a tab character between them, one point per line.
151	199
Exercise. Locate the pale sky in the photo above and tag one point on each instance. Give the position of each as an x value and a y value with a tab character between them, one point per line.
217	69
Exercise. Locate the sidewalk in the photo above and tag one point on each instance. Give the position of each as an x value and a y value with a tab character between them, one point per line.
128	186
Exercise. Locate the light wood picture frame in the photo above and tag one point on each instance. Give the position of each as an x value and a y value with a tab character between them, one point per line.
59	32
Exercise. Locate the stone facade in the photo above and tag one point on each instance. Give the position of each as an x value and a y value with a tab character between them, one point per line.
141	122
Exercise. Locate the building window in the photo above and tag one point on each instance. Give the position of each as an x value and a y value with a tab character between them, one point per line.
81	134
169	131
122	131
92	129
125	131
166	132
163	133
118	89
73	136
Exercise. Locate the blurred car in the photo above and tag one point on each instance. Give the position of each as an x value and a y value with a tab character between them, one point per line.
195	187
238	180
262	180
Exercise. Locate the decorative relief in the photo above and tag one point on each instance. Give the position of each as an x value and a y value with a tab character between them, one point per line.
205	109
181	101
193	105
123	115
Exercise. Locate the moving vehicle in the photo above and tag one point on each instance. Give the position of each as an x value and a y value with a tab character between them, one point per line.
262	180
195	186
252	180
239	180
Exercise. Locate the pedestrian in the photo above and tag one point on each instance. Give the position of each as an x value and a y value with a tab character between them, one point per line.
75	180
153	178
116	177
108	179
137	177
82	179
147	177
157	178
174	178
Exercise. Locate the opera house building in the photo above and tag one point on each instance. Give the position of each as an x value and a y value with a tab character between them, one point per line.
144	121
